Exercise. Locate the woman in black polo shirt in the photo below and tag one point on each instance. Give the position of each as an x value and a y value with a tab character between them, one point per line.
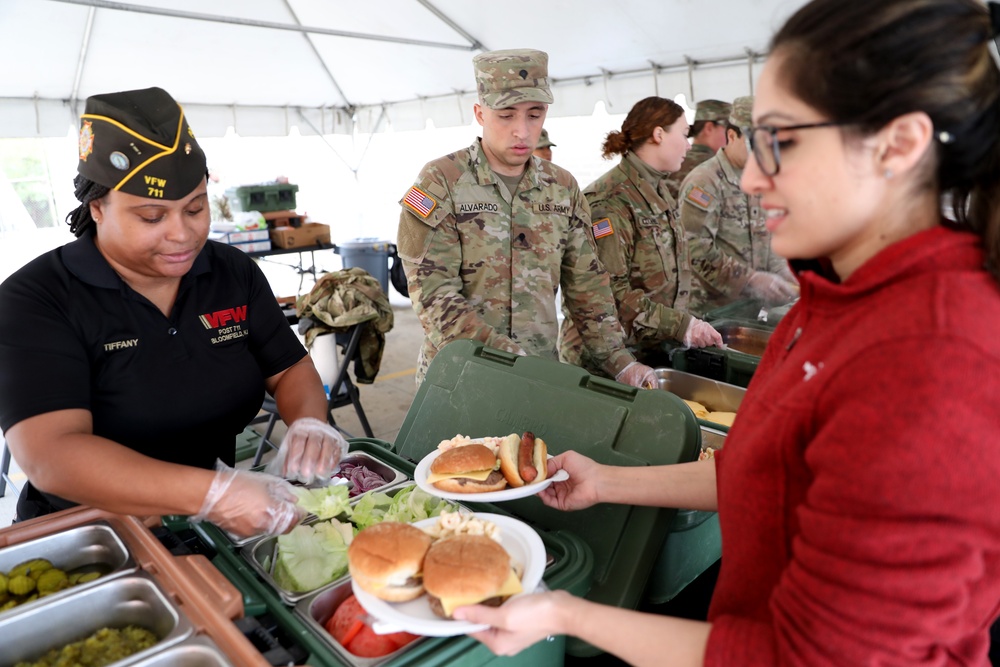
133	356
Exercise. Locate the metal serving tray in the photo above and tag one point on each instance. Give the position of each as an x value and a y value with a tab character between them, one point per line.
94	547
262	554
128	600
197	651
359	458
745	339
317	608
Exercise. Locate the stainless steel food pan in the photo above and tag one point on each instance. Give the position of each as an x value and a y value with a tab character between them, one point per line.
196	651
128	600
316	609
714	395
745	339
93	547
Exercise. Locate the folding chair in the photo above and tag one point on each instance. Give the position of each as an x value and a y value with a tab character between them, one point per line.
5	473
343	392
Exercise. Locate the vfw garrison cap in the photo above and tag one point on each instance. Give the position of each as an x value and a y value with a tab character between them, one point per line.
506	78
712	110
138	141
742	114
544	141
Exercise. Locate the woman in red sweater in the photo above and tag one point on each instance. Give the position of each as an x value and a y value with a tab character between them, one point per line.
857	492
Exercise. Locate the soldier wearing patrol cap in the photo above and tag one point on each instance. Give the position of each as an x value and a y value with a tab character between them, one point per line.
730	246
545	146
134	355
708	135
488	233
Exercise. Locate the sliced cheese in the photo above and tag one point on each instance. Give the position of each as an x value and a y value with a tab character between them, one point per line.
512	586
478	475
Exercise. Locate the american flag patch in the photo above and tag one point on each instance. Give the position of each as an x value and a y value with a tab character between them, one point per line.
699	196
419	201
603	228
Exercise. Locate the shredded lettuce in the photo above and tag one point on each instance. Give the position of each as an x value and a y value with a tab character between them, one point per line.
414	504
311	556
325	502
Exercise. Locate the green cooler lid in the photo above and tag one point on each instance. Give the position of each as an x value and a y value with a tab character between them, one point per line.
479	391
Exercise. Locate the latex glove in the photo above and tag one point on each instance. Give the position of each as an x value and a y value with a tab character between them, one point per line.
771	288
638	375
700	333
311	450
249	503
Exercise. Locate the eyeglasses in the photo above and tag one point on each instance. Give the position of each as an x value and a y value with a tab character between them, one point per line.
764	144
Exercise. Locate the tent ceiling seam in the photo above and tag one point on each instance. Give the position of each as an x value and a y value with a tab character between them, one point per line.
319	58
254	23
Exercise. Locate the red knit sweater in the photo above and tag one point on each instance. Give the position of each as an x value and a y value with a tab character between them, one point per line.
859	490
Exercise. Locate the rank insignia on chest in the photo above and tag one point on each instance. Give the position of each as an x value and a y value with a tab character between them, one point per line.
603	228
699	197
419	202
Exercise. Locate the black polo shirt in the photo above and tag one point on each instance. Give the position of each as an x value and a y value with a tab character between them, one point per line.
73	334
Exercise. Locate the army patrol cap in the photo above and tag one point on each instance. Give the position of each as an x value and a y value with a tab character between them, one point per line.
544	141
715	111
506	78
138	141
742	113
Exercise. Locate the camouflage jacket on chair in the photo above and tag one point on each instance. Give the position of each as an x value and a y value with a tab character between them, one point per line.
341	300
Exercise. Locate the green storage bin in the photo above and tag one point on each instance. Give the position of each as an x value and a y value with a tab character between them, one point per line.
735	365
264	198
477	391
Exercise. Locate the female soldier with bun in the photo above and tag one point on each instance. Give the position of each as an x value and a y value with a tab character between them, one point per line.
857	491
133	356
640	240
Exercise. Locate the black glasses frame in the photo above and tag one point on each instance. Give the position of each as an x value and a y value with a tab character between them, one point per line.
772	131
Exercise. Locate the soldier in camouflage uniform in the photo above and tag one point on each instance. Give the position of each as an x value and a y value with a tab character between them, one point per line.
640	241
544	147
488	233
708	136
729	244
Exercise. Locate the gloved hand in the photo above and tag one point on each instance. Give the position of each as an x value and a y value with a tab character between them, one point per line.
310	451
249	503
638	375
771	288
700	333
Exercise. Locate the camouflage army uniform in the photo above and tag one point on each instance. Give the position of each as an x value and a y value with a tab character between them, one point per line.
726	235
645	252
479	267
697	154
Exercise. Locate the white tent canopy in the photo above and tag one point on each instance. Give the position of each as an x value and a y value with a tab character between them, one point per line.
332	66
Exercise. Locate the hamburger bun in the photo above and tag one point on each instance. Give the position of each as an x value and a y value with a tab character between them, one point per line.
510	466
386	559
466	569
459	462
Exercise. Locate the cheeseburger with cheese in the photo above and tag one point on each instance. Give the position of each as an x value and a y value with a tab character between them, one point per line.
468	569
467	469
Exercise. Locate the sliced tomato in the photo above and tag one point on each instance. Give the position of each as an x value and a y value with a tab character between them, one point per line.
367	644
347	621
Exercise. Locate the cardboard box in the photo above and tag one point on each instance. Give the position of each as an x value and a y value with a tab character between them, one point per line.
309	234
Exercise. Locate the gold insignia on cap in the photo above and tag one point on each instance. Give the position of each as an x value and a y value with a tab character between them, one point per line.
86	140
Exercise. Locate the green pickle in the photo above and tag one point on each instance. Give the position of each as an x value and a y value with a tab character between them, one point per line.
32	568
103	647
38	577
20	584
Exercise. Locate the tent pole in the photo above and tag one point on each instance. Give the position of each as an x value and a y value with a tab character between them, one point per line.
87	31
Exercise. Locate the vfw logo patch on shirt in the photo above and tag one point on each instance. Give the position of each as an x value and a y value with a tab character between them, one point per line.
603	228
228	324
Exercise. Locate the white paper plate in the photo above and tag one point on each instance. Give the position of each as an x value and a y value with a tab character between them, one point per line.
521	542
423	470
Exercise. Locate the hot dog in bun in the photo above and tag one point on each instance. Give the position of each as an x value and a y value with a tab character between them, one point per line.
386	560
523	459
468	469
468	569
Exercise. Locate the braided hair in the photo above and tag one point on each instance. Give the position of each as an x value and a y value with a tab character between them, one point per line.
86	191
